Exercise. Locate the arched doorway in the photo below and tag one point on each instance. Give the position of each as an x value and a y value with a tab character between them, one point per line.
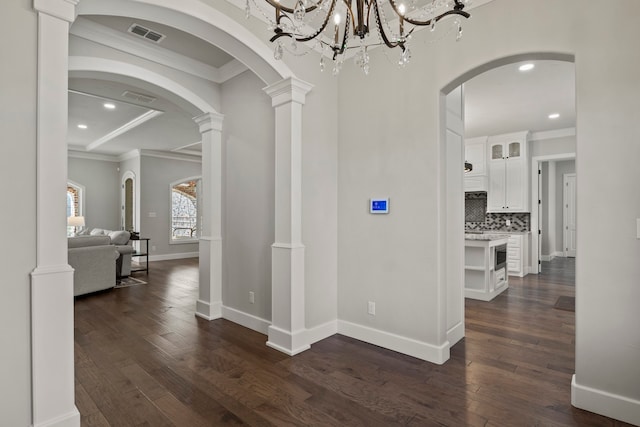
452	200
52	280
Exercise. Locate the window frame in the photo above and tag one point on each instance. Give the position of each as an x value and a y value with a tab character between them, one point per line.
198	227
81	190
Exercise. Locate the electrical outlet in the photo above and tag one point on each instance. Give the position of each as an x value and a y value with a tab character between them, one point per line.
252	297
371	308
508	222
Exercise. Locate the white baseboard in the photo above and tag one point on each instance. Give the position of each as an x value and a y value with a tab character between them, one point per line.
455	334
320	332
166	257
72	419
431	353
605	403
247	320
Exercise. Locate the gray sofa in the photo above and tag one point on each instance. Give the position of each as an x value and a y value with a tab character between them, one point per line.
93	259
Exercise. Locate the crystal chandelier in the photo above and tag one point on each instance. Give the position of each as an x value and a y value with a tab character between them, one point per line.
342	25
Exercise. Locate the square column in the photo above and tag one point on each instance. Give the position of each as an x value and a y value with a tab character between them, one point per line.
287	330
209	304
53	395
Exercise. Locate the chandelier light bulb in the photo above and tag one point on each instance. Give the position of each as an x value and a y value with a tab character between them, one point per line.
402	9
336	19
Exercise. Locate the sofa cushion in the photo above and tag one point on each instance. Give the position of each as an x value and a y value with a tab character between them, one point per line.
96	232
119	237
84	241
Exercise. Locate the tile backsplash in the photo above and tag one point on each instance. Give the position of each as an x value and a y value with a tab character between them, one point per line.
476	216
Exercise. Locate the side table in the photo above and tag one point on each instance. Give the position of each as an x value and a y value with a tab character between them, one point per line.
139	252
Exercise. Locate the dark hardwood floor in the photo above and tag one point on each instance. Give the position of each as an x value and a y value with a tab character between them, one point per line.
144	359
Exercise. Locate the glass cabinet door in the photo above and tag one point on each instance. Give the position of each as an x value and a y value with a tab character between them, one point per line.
514	149
496	152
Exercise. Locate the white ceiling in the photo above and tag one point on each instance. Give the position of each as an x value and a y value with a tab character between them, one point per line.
176	41
506	100
498	101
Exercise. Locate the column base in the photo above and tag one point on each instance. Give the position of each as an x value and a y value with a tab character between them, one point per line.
52	347
287	342
208	311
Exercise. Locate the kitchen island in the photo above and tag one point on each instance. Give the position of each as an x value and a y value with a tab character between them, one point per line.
481	279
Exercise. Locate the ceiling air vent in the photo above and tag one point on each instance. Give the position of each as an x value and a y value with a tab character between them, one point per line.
135	96
146	33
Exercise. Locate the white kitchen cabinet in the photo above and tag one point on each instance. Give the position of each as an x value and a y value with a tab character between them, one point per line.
508	173
475	152
518	254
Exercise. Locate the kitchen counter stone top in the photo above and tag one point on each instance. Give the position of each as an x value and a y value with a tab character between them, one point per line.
489	236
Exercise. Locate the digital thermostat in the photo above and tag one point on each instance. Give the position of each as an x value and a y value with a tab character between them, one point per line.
379	206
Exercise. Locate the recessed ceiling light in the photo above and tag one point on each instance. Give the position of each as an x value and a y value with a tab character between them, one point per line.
554	116
81	126
109	106
526	67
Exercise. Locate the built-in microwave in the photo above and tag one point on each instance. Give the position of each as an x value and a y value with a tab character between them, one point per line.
501	257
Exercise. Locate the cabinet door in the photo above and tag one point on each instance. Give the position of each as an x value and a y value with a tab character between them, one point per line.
514	186
496	191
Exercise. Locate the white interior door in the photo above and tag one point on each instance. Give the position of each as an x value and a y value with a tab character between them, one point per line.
569	205
539	230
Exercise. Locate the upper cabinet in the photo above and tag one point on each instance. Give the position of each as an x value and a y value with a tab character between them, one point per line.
475	152
508	173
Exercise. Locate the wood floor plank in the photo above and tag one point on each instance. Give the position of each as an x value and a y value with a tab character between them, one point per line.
144	359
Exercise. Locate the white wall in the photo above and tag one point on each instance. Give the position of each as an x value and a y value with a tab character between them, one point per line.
102	191
17	164
248	194
568	166
547	147
156	175
391	148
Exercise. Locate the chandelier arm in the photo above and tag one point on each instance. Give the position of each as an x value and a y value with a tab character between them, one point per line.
457	10
437	18
385	39
280	33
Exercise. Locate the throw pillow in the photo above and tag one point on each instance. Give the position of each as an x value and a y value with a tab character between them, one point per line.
119	237
96	232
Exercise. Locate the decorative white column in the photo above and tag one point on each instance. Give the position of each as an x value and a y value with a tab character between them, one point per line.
287	330
209	304
52	280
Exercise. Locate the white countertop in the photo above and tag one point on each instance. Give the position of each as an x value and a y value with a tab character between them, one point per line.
489	236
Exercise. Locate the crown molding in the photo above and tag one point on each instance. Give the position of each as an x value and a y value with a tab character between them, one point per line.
114	39
75	154
124	128
170	156
552	134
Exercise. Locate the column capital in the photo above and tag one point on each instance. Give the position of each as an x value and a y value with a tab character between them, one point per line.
288	90
61	9
209	121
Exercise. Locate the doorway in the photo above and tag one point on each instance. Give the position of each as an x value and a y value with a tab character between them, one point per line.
548	219
128	202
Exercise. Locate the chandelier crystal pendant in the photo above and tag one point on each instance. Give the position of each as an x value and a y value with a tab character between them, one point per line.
340	25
